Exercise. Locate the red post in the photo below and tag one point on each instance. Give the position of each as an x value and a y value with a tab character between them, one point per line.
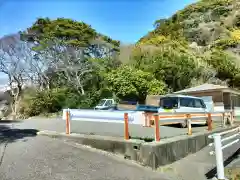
157	129
209	121
67	121
126	128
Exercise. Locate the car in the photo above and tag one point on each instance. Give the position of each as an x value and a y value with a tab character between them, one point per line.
182	103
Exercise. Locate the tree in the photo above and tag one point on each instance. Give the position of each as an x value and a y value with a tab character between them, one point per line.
128	82
224	64
74	33
171	63
63	48
65	64
15	56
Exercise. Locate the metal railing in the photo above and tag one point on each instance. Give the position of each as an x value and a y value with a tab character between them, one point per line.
219	147
165	118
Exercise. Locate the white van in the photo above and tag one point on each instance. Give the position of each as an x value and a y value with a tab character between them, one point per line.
181	103
106	104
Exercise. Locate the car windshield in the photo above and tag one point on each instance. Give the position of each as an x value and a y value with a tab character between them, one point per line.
101	103
169	102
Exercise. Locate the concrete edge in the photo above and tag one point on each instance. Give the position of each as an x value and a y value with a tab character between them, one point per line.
151	154
95	137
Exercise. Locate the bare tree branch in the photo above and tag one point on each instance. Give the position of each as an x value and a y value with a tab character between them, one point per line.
15	56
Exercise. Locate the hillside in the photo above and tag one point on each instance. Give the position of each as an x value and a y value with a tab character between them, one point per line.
210	29
215	23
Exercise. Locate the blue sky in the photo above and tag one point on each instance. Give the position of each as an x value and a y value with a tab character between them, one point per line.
124	20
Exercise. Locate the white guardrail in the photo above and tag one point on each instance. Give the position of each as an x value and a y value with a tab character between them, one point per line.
219	147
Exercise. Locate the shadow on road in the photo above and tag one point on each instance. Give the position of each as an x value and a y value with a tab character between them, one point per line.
179	126
9	121
9	134
213	172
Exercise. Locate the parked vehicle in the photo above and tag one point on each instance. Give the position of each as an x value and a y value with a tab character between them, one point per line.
181	103
170	103
106	104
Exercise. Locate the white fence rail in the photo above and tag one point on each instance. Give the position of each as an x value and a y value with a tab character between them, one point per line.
219	147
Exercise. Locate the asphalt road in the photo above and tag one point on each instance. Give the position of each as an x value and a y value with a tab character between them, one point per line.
25	156
106	129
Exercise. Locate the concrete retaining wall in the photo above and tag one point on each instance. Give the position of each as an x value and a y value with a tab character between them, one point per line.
152	154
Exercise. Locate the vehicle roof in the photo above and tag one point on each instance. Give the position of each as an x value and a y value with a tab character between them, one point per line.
179	95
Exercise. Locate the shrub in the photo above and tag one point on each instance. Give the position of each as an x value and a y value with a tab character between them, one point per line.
54	100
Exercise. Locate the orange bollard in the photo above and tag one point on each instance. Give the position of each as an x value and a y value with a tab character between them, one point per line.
157	129
68	122
189	125
126	128
209	121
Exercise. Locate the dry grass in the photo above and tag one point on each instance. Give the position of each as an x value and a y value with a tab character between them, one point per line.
232	173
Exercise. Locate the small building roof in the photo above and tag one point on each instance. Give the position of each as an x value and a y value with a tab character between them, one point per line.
181	96
203	87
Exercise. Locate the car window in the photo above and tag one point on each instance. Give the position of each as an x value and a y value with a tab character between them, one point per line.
187	102
101	103
169	102
108	103
199	103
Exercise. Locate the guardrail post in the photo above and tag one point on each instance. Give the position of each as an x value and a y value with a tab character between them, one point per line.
68	116
209	122
157	128
126	128
146	120
189	125
219	156
223	119
232	117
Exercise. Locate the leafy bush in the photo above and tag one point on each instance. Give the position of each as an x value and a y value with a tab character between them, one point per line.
224	64
54	100
127	81
225	43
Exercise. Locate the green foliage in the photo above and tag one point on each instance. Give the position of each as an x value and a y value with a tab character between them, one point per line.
173	64
203	6
155	40
73	32
127	81
77	34
204	23
223	44
224	64
54	100
195	21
